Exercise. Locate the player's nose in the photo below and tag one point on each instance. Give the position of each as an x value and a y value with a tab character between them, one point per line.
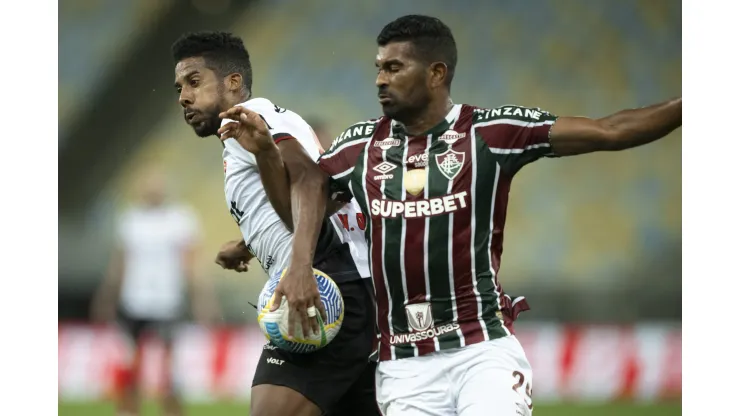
185	100
381	80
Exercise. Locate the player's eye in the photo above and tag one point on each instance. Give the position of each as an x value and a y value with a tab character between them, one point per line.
193	82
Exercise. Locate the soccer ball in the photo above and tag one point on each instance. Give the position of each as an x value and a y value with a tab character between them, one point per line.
275	324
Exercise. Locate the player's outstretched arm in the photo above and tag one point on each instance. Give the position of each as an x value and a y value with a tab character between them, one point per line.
623	130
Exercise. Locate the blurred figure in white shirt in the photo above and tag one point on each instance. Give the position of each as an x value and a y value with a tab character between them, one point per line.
151	270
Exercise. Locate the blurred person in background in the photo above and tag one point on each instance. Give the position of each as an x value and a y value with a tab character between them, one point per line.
213	73
151	270
434	177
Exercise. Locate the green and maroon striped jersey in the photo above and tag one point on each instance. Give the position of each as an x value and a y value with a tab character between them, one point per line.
436	207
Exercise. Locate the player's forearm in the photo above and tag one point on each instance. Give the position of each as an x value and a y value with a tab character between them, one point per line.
308	192
276	181
632	128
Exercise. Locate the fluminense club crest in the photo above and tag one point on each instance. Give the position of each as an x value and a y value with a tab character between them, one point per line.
450	163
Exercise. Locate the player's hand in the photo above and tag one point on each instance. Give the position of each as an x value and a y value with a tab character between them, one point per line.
302	294
248	128
234	255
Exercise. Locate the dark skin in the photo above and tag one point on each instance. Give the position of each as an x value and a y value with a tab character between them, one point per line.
416	93
411	90
235	256
203	95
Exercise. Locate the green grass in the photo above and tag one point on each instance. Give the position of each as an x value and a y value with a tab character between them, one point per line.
242	409
151	409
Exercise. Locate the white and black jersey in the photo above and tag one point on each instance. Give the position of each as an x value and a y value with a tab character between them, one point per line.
341	251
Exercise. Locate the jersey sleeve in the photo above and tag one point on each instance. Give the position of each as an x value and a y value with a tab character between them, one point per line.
515	135
283	125
342	157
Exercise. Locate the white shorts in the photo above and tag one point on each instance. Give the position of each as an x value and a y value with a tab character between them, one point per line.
491	378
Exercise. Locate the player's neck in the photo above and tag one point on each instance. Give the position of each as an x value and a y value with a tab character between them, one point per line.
434	114
233	101
236	100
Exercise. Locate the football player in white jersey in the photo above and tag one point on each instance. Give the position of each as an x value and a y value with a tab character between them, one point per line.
152	269
213	74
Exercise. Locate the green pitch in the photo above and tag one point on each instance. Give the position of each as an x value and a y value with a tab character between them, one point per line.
240	409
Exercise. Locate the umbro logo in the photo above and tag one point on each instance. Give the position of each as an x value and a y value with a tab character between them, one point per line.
383	169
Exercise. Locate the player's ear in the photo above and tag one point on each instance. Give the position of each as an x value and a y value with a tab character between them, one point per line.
234	81
437	74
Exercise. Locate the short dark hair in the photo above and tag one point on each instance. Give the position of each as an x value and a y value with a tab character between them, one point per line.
223	52
432	39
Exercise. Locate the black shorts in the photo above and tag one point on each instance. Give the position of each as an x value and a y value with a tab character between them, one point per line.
135	327
339	378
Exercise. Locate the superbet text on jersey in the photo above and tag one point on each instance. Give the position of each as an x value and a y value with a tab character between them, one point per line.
436	207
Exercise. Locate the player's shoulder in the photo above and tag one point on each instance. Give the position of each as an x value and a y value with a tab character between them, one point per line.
261	105
511	112
273	114
359	132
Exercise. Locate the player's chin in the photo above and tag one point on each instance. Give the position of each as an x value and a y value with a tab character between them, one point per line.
389	110
204	129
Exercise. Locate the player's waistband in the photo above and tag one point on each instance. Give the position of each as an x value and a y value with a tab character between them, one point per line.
470	330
